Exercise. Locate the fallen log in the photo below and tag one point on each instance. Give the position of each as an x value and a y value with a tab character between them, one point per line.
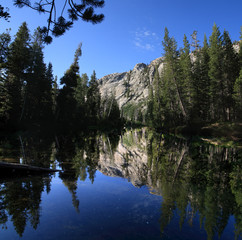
23	168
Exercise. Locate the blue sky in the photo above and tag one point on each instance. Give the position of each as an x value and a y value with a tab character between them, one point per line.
131	33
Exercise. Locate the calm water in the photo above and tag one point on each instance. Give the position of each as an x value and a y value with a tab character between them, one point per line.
140	185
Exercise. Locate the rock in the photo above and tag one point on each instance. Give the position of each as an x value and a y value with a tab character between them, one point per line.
132	86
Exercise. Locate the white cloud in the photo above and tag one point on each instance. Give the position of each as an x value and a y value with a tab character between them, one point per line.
145	46
145	39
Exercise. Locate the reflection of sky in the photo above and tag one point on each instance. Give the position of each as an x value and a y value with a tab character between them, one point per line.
110	208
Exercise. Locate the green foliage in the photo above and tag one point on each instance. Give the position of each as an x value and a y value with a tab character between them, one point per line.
110	112
230	68
30	96
194	177
237	95
215	74
5	39
132	112
196	88
81	91
201	83
186	79
38	89
17	66
93	100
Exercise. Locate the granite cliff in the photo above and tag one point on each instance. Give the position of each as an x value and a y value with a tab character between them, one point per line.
132	86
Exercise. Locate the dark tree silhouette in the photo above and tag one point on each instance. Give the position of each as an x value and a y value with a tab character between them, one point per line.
70	11
4	13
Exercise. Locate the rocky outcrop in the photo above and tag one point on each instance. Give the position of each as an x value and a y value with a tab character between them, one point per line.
132	86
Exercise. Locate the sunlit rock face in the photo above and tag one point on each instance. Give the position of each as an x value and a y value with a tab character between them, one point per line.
129	160
132	86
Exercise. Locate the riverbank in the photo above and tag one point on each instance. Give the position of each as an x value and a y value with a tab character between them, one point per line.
226	134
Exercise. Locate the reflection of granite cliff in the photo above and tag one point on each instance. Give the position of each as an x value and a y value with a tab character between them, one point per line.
129	160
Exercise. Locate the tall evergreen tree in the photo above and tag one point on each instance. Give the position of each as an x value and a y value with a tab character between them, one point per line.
47	99
55	92
215	74
185	78
37	105
93	99
201	83
155	104
18	65
173	104
5	39
80	96
195	41
150	106
230	68
66	102
110	112
237	96
81	90
240	49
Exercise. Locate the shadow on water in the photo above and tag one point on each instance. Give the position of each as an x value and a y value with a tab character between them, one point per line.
196	180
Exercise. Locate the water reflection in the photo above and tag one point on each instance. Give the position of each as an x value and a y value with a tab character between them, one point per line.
196	180
20	201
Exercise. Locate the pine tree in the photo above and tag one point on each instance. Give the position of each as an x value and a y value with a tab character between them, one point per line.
18	64
47	91
66	102
80	96
195	41
93	100
215	74
81	90
4	49
110	112
70	11
201	83
185	78
155	103
37	106
150	106
240	49
237	96
55	92
230	68
172	102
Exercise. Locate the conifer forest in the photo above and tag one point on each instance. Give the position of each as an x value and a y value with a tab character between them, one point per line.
30	94
200	84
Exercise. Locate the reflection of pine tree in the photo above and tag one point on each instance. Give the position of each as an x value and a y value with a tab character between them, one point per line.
72	187
92	156
202	181
22	198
